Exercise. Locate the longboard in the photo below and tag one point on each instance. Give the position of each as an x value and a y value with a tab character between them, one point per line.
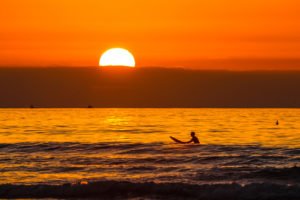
176	140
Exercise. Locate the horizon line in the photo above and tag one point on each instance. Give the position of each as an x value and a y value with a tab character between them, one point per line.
144	67
242	107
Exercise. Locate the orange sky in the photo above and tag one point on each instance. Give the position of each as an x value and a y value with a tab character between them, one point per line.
157	32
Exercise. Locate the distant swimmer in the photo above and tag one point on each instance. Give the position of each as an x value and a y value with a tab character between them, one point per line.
277	122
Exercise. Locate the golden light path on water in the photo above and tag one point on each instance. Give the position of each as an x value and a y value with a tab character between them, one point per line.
212	126
65	145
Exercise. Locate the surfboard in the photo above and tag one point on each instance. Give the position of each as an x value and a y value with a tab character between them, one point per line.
176	140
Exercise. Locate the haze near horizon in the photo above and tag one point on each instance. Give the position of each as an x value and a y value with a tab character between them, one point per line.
147	87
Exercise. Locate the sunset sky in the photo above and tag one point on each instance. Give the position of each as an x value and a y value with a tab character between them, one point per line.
200	34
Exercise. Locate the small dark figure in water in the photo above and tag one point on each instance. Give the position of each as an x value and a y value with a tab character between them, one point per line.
31	106
90	106
194	139
277	123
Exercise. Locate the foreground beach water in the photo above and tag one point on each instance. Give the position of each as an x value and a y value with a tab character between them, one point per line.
127	153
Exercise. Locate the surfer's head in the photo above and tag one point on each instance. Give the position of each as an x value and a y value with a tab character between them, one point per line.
192	134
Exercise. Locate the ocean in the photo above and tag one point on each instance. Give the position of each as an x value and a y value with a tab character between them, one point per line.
128	153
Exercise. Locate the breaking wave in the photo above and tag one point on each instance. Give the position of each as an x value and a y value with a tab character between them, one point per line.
150	190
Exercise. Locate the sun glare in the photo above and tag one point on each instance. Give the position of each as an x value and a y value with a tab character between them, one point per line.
117	57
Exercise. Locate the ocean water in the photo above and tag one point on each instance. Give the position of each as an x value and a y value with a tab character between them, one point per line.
237	147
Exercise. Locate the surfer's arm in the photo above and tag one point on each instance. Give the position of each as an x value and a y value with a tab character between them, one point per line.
189	141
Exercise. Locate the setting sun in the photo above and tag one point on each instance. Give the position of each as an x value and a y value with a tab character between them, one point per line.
117	57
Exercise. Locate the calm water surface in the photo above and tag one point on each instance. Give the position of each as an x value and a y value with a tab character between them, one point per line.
65	145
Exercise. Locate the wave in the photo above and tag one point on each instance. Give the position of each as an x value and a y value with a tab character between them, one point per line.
29	147
292	173
250	174
150	190
136	148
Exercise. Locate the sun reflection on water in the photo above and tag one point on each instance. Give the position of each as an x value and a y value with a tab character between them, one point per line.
70	145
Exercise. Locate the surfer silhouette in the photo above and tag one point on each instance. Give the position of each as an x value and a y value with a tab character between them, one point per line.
194	139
